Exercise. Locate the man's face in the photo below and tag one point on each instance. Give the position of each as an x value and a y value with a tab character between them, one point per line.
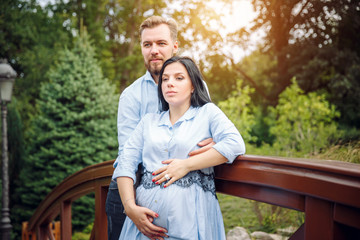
156	47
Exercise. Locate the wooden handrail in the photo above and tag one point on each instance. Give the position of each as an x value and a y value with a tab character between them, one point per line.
327	191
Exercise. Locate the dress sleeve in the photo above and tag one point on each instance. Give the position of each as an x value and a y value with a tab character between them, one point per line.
131	154
228	141
127	119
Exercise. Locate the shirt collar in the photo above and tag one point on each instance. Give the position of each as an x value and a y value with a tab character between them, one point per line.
148	77
188	115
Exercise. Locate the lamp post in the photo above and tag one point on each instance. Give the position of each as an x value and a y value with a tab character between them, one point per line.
7	79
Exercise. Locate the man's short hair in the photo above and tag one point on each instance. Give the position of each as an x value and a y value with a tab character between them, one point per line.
155	21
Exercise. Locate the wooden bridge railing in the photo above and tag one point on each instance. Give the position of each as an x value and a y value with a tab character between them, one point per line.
327	191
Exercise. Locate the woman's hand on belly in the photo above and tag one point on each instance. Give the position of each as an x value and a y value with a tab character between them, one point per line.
143	217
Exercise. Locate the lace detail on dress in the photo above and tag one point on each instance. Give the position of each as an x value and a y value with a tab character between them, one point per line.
205	181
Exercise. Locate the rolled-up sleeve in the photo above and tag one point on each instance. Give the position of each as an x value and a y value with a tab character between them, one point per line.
229	142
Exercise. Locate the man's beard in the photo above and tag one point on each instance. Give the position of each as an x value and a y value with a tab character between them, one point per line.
153	69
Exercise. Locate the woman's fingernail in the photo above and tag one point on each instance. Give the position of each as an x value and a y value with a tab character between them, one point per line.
164	186
153	180
153	174
157	183
156	215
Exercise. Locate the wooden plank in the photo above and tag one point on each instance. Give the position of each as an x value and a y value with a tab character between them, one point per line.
264	194
347	215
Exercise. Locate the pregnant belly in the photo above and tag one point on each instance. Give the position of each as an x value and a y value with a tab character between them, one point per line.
175	205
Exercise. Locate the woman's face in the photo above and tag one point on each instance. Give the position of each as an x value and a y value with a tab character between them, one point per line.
176	85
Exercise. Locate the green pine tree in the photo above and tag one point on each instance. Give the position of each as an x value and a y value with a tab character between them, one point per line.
75	127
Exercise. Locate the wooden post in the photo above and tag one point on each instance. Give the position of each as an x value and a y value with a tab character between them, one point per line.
100	225
65	219
319	222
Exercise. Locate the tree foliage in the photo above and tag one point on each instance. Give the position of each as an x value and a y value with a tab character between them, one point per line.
200	38
314	40
113	25
16	144
319	23
238	109
75	127
30	40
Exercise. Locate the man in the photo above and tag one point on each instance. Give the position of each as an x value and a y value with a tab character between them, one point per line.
158	43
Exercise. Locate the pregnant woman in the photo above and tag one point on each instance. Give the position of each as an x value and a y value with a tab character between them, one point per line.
176	192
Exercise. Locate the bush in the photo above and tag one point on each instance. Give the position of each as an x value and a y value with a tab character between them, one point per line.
302	124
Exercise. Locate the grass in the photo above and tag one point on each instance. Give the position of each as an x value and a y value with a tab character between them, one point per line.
236	212
241	212
345	152
349	152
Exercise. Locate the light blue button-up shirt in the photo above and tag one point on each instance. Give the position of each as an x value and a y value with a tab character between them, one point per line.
155	139
140	98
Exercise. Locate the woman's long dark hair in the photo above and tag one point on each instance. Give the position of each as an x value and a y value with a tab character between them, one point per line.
200	95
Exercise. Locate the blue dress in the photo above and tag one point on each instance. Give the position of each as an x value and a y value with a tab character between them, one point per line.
188	208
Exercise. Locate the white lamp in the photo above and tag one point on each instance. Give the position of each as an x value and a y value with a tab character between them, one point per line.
7	79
